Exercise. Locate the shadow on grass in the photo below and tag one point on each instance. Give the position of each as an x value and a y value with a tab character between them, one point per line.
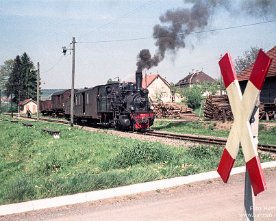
172	125
169	125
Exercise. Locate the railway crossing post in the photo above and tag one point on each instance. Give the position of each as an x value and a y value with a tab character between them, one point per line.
241	132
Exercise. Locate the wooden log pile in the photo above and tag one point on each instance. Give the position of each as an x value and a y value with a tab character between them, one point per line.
172	110
217	107
267	111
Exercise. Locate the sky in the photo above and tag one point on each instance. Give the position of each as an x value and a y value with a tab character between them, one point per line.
111	33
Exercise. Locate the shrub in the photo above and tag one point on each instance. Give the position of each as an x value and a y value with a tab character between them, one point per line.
141	154
193	96
202	152
20	189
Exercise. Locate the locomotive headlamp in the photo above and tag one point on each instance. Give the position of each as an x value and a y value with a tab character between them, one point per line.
108	89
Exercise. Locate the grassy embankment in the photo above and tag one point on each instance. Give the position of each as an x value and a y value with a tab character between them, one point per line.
207	128
34	165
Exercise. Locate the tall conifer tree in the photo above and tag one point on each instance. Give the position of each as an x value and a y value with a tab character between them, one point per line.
22	81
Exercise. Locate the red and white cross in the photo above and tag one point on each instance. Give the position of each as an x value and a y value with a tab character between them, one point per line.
242	107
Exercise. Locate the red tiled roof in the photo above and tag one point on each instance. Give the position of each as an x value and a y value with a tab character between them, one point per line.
149	78
244	75
21	103
195	78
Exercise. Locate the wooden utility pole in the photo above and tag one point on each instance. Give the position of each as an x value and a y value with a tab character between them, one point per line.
73	81
11	107
0	101
37	91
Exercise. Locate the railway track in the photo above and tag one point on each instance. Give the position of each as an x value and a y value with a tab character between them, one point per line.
187	137
205	140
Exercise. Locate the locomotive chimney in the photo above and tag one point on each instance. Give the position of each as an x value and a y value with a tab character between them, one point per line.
139	79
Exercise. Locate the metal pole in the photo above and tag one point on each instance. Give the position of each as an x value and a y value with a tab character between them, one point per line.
248	192
72	88
37	92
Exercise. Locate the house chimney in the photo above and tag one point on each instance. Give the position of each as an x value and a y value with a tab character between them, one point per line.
139	79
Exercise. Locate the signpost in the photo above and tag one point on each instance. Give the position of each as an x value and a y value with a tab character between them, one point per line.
241	133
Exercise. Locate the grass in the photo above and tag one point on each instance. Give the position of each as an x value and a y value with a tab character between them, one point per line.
200	128
208	128
34	165
267	135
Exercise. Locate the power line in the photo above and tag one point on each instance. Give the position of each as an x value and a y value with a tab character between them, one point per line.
114	40
195	32
54	65
118	18
238	26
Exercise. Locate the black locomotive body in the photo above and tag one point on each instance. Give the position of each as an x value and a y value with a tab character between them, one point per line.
124	106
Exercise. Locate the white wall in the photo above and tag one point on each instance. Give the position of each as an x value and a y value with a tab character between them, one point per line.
31	106
159	90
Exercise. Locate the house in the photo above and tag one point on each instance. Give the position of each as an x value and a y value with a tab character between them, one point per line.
28	104
159	89
195	78
268	92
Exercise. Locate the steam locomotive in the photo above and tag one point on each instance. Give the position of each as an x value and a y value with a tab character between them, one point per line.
124	106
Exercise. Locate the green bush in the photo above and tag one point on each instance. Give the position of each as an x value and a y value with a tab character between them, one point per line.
20	189
203	152
141	153
193	96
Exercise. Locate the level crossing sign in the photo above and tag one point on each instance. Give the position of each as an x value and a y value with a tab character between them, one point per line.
242	107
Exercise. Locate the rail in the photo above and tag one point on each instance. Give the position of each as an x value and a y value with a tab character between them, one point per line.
205	139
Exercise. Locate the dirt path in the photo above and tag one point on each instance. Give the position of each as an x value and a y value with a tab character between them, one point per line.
211	200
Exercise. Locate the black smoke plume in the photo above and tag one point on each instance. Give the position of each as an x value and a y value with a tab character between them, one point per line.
179	23
146	61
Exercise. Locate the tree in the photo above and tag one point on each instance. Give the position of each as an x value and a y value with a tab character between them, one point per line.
211	87
14	86
193	96
248	58
5	71
22	82
29	77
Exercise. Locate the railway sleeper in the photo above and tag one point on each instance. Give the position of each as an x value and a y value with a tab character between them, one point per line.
54	133
27	124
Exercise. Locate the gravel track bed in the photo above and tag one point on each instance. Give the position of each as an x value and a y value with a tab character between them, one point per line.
139	136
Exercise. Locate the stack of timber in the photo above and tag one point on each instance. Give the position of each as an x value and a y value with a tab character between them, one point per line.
172	110
267	111
217	107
